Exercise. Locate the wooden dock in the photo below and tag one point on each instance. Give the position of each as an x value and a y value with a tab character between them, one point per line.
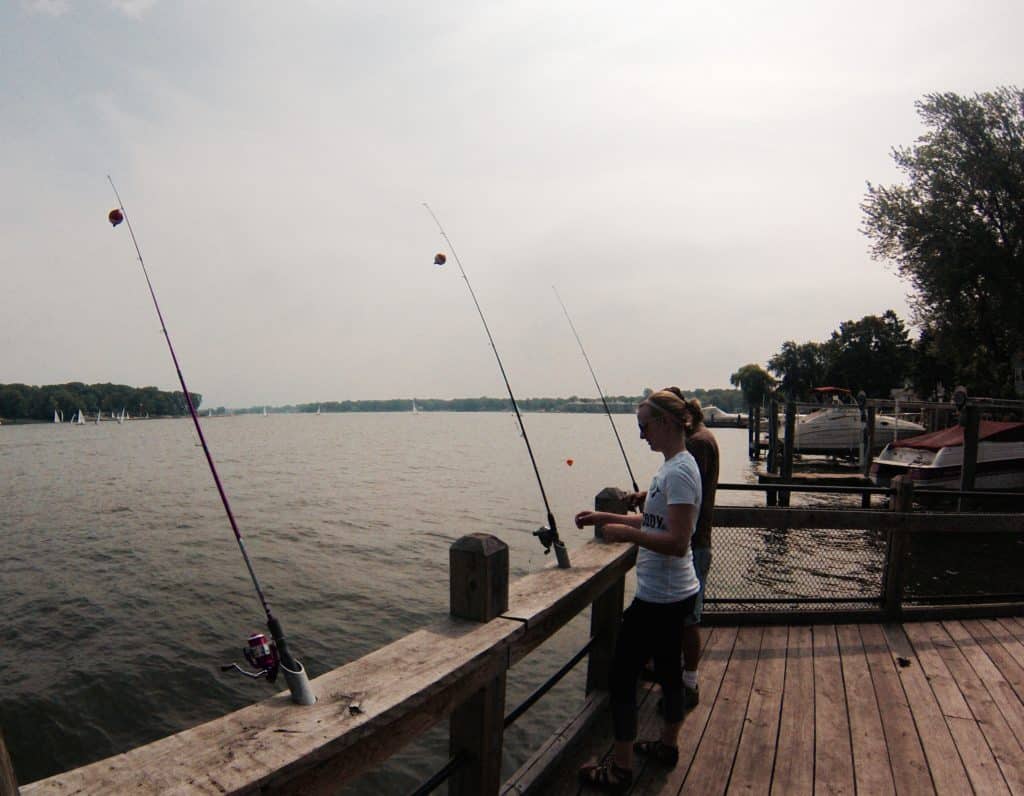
917	707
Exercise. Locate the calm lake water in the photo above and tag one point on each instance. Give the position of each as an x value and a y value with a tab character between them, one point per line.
124	589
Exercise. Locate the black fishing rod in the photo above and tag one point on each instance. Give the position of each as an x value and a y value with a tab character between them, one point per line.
265	657
600	392
548	536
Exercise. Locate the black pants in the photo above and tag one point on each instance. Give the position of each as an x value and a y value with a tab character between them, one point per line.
649	630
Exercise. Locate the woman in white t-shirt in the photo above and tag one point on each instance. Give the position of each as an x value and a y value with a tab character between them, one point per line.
667	586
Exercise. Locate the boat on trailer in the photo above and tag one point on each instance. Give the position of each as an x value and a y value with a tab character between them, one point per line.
936	460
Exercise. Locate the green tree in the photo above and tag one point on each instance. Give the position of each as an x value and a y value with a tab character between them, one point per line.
800	367
754	382
874	354
956	232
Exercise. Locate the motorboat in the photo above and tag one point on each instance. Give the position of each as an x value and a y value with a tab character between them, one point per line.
837	427
713	416
936	460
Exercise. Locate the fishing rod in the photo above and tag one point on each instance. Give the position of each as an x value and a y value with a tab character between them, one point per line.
599	390
548	535
266	657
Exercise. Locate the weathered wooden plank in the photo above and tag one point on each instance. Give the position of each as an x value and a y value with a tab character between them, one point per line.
906	755
1005	748
1010	642
950	699
755	758
981	766
948	773
546	600
978	652
365	711
833	757
1000	649
794	758
709	772
871	769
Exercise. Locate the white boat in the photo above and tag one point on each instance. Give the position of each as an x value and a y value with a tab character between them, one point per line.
79	419
264	411
936	460
414	407
837	430
318	410
120	417
58	416
713	416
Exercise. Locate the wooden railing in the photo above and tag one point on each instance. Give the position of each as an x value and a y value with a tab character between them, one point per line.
456	669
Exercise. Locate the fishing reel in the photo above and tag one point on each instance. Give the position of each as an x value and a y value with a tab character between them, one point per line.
549	538
262	657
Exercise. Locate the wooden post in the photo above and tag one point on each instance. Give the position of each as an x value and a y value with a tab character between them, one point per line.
606	612
787	451
8	782
896	550
869	447
750	433
478	577
970	421
757	433
773	437
479	591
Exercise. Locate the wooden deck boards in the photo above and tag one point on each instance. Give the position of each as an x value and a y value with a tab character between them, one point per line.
929	707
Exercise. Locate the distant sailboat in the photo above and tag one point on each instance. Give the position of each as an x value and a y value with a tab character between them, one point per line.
318	410
99	414
58	417
264	411
79	419
414	407
120	417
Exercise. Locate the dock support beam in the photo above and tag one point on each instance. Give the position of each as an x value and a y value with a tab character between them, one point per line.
479	591
897	549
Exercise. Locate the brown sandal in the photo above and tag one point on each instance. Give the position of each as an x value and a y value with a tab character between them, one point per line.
658	752
606	777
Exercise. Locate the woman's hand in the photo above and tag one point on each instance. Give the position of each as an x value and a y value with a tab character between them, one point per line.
635	501
585	518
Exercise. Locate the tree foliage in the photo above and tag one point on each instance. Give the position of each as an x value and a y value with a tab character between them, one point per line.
874	354
800	367
755	384
955	231
27	402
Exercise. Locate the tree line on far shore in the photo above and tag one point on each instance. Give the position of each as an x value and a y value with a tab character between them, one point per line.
727	399
27	402
955	232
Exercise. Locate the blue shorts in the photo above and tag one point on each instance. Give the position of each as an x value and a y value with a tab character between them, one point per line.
701	563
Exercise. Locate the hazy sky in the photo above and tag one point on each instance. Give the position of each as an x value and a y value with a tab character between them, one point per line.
687	174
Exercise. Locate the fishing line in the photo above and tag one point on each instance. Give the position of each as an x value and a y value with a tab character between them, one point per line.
291	666
600	392
548	536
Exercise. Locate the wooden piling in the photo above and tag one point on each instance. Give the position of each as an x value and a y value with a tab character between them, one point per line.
787	451
479	591
969	419
868	455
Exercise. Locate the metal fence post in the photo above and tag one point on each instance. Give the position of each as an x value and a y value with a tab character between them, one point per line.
478	581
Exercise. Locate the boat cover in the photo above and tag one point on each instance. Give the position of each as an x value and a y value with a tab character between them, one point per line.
992	430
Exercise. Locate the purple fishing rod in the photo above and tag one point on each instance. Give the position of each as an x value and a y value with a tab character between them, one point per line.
294	672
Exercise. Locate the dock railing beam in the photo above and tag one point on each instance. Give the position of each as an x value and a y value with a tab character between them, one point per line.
606	612
479	592
789	444
970	420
